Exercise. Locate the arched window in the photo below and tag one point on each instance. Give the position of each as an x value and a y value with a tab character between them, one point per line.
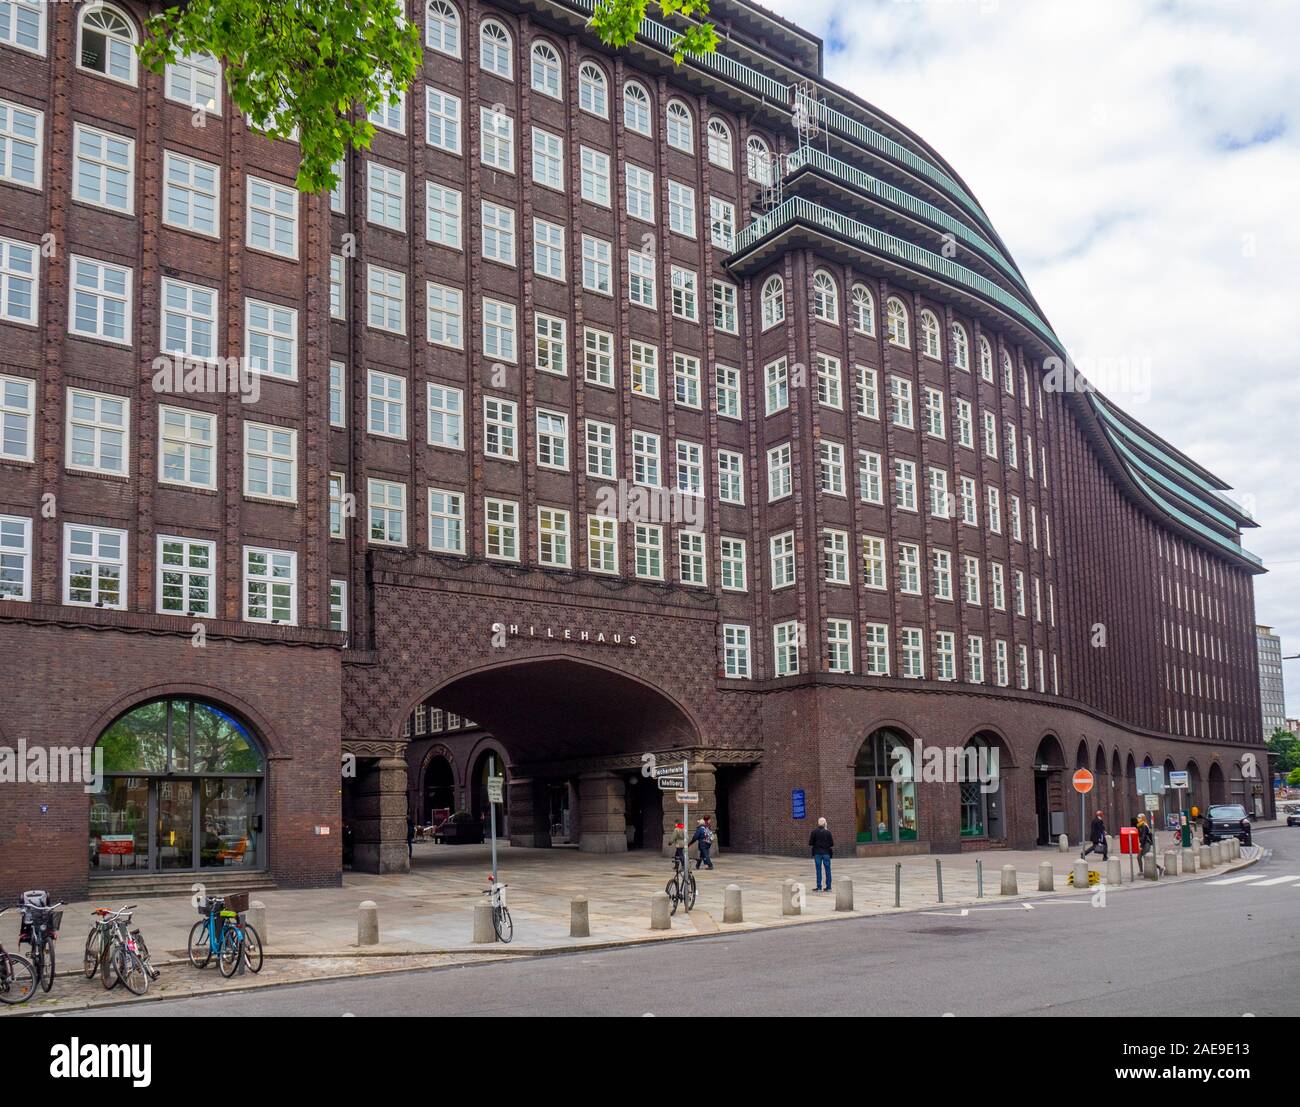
442	28
182	789
960	348
930	344
720	144
896	322
546	70
494	53
681	127
884	804
636	108
864	310
826	297
773	302
106	43
758	161
986	360
981	790
593	90
1008	375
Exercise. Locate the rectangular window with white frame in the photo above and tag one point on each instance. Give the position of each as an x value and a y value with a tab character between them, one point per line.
195	81
338	496
446	418
548	159
965	424
186	581
692	566
1001	670
15	558
835	556
100	304
98	432
875	644
94	566
271	462
553	537
874	563
552	439
444	315
500	428
103	169
722	224
270	585
23	25
829	391
640	193
909	568
598	357
779	472
17	418
681	209
870	477
971	579
548	250
975	659
602	457
497	140
727	391
641	286
597	265
940	506
945	655
643	367
497	231
550	344
733	562
446	521
272	219
900	406
830	457
501	529
191	194
912	648
386	197
725	317
443	215
338	287
687	383
390	112
994	499
648	551
645	459
735	651
442	119
385	404
385	299
731	479
785	644
19	281
776	377
189	319
868	393
997	586
594	167
386	511
271	339
22	144
934	417
500	330
339	605
839	646
602	544
187	446
690	468
904	484
685	294
782	560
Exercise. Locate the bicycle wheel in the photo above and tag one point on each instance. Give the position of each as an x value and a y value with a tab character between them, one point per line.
232	948
90	964
143	949
673	895
131	971
17	979
689	891
47	964
200	945
253	949
108	964
501	920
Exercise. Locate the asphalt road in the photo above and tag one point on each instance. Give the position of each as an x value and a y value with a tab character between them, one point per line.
1154	950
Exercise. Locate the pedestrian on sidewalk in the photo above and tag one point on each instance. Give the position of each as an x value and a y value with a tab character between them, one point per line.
410	837
678	842
703	837
1097	836
823	847
1147	843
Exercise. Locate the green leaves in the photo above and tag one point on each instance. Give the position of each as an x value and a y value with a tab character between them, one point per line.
616	22
308	69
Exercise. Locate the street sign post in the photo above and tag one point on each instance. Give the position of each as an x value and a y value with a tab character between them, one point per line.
685	798
1083	784
494	783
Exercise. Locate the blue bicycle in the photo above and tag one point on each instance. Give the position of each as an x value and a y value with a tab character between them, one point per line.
223	930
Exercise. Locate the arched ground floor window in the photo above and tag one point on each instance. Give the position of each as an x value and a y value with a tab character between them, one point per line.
183	788
885	807
981	790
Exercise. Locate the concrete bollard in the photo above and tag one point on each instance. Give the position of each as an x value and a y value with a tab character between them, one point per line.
1009	879
732	908
257	918
1081	874
1189	860
579	919
1235	849
484	931
1046	878
1173	862
1205	858
1063	844
660	916
1114	874
1216	853
789	901
844	895
1149	870
367	923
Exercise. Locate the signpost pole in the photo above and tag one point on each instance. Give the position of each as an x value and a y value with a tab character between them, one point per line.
686	822
492	807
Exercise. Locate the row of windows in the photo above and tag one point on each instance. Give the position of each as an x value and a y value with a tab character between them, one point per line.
433	720
878	659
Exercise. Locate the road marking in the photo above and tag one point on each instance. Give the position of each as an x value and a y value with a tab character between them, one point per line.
1242	879
1275	880
949	914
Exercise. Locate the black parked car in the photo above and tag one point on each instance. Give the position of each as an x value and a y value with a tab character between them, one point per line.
1226	820
1293	819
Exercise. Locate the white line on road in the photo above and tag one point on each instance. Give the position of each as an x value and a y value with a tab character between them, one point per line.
1241	879
1275	880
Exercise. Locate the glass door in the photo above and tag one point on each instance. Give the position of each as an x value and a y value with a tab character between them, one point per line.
175	822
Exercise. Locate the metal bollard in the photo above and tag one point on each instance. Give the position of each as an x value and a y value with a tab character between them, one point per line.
938	876
843	895
898	884
257	918
1008	880
732	909
660	917
368	923
979	878
579	918
1046	877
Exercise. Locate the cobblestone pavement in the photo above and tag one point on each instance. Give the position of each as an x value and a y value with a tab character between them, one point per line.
425	918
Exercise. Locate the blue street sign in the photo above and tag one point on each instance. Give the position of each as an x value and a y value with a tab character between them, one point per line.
798	805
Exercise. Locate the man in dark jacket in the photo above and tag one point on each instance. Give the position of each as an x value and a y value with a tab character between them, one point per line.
1097	836
823	846
703	837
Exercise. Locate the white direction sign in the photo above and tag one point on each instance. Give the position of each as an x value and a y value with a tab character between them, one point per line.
494	788
688	797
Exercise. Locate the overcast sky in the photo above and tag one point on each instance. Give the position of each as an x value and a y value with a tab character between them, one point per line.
1142	163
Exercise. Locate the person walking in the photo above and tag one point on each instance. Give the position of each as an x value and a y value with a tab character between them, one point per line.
410	837
703	837
1147	843
1097	837
822	845
678	842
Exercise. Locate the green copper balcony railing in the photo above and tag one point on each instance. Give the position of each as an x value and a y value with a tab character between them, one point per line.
866	183
746	76
1173	487
797	209
860	133
1195	524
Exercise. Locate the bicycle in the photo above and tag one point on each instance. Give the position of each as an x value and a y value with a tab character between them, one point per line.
116	953
40	926
17	977
501	921
223	929
681	888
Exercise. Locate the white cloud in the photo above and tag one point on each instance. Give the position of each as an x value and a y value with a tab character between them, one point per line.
1142	163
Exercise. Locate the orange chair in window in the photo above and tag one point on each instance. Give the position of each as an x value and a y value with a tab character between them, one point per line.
233	855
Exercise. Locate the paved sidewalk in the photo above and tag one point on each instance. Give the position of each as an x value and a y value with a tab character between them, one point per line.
426	918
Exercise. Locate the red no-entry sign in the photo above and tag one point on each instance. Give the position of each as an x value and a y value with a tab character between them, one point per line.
1082	781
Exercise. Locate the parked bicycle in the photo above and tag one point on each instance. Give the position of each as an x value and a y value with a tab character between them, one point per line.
224	930
501	921
17	976
681	888
118	953
40	926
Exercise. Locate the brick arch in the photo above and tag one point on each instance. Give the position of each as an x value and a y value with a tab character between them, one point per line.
438	749
1006	750
259	724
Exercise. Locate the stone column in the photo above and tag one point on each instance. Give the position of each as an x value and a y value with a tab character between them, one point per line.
603	812
702	777
529	814
379	816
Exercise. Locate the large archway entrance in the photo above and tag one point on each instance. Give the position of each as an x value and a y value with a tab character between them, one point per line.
1049	790
182	790
885	807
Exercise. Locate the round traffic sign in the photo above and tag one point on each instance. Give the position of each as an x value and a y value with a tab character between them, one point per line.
1082	781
